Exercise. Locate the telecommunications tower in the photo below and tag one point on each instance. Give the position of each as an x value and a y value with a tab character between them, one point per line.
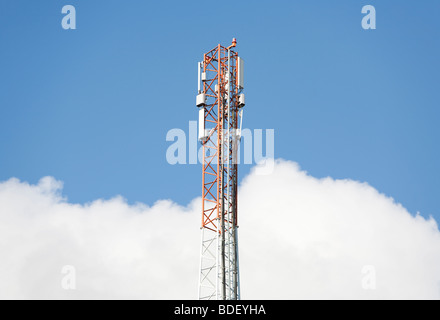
220	101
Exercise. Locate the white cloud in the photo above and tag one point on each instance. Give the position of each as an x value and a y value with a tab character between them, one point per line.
300	237
316	235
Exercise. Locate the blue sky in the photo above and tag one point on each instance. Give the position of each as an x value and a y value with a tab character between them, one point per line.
92	106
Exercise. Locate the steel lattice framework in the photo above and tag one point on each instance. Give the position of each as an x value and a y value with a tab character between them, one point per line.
219	263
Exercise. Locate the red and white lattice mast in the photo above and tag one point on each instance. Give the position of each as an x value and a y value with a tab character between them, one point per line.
220	101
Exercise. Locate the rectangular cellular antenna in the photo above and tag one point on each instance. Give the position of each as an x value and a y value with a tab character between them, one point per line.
202	133
199	66
240	72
